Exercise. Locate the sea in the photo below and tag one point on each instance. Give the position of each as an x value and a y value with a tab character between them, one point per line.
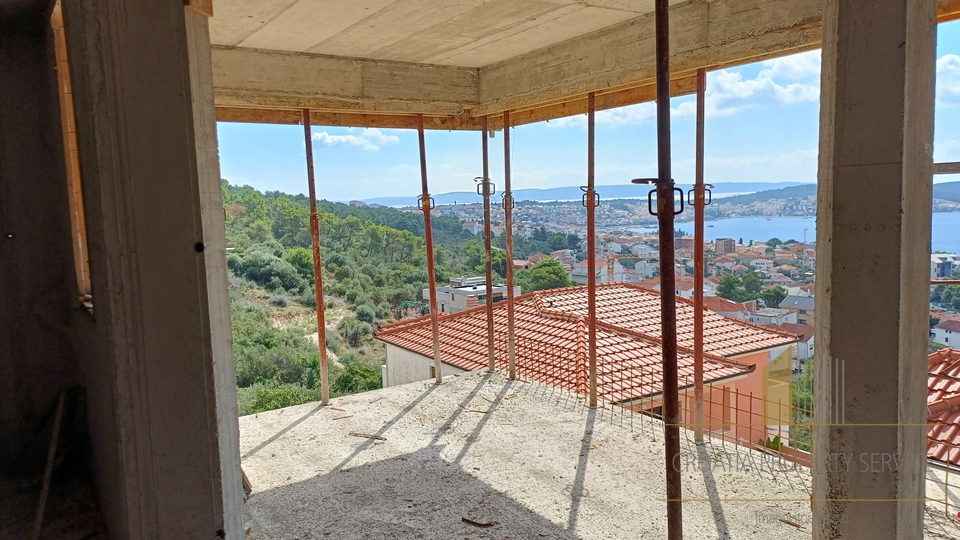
945	234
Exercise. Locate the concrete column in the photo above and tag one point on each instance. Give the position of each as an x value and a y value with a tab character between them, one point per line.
873	243
163	398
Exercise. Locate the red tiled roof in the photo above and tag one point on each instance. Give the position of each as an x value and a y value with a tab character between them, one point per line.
551	339
943	406
719	303
802	331
950	324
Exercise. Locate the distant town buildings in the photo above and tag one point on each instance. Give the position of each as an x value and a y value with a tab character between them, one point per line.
803	305
943	265
725	245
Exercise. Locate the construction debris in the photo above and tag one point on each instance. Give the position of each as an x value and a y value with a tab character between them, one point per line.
368	436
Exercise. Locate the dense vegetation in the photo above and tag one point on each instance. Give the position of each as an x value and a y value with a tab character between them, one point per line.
374	259
947	296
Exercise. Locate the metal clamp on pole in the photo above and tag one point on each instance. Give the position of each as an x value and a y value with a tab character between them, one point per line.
656	182
508	201
480	181
589	195
428	199
708	195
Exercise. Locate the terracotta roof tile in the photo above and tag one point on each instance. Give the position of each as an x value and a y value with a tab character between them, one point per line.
551	339
943	406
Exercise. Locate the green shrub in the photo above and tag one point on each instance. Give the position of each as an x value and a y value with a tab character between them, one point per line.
279	300
355	378
366	313
286	395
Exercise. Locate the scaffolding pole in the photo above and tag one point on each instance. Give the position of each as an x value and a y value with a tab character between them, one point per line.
589	200
668	302
485	183
317	267
426	204
508	231
698	204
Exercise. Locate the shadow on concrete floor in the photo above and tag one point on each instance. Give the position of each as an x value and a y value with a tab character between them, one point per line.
416	495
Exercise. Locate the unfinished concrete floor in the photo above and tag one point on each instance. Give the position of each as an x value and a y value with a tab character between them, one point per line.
482	457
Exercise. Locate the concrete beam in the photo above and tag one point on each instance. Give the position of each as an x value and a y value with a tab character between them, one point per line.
873	246
284	80
708	34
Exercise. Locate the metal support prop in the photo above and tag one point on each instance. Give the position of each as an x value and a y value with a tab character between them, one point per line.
426	204
589	202
698	194
508	231
668	302
486	244
317	267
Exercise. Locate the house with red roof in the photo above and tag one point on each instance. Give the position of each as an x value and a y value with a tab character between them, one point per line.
684	286
551	348
948	332
537	257
727	308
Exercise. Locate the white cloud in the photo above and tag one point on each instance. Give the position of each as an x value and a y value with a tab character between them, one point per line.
948	81
368	139
787	80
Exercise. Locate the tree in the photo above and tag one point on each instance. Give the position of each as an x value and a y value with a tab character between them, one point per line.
774	242
730	287
548	274
752	285
773	297
302	260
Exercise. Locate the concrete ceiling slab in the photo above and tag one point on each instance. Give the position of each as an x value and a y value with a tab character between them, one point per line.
464	33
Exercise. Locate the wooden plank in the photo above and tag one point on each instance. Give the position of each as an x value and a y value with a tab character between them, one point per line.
201	7
620	98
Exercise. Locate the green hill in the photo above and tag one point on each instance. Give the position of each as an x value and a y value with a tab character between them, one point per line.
948	191
792	192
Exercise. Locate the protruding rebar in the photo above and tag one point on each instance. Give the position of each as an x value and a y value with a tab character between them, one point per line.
508	231
668	302
589	202
491	349
317	267
698	204
426	205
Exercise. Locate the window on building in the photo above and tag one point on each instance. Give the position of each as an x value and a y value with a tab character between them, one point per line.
803	312
71	160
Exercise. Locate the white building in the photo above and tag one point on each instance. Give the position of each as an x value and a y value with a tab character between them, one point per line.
772	316
762	265
943	265
578	274
467	292
948	333
643	250
646	269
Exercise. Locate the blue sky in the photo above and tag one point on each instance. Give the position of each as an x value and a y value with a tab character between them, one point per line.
761	126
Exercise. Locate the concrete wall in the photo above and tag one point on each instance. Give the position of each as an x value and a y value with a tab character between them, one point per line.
38	294
404	366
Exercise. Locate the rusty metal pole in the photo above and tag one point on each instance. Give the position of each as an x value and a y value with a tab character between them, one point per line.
508	230
426	204
317	267
589	202
668	302
698	204
486	245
